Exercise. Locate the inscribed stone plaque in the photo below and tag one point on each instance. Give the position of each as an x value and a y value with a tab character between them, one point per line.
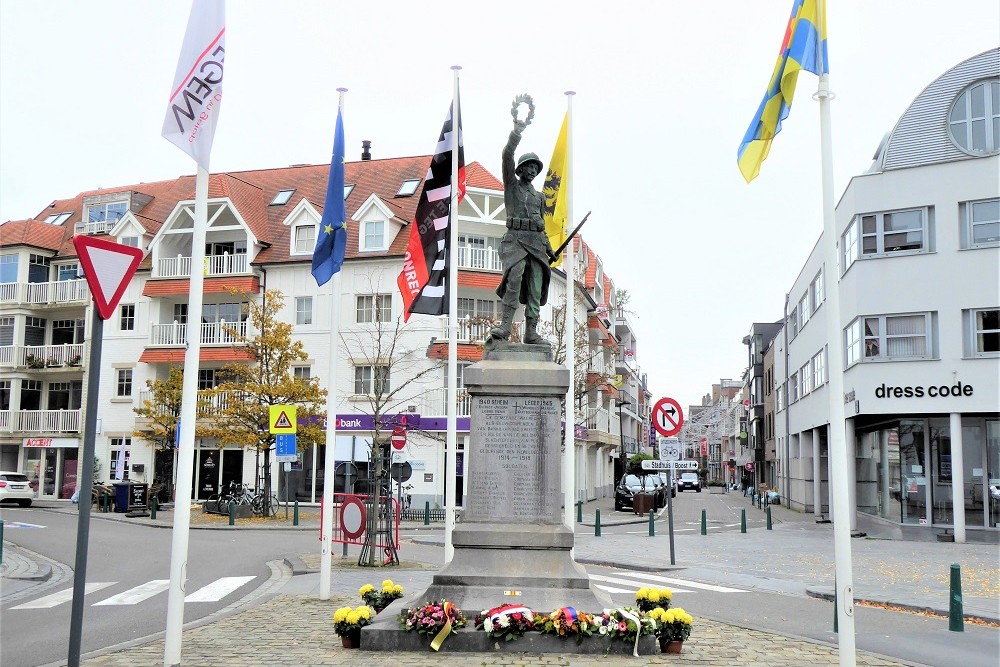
514	460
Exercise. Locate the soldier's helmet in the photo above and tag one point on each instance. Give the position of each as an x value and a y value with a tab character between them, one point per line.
526	158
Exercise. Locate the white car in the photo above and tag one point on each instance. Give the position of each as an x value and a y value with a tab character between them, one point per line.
15	486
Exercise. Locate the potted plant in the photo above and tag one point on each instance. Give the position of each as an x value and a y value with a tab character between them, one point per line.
507	622
436	619
52	362
348	622
648	599
673	626
74	360
627	624
567	622
34	362
380	599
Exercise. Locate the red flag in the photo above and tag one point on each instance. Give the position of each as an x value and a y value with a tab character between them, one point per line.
423	282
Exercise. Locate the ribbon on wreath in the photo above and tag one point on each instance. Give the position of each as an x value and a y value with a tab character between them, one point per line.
638	628
569	613
449	611
508	610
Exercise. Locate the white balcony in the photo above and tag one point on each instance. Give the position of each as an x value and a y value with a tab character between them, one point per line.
208	403
40	421
212	333
483	259
59	293
101	227
215	265
41	356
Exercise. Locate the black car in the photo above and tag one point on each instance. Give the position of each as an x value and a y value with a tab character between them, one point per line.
689	480
629	485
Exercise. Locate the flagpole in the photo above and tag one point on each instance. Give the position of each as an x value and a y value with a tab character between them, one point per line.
451	476
326	530
839	456
569	334
185	453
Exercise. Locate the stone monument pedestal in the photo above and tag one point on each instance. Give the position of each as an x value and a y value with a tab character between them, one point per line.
511	545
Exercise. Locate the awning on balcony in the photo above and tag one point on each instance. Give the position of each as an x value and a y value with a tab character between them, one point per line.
176	356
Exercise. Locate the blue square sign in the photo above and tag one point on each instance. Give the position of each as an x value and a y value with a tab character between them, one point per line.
286	446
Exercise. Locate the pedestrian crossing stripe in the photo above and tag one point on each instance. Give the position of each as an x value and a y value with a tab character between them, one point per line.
213	592
642	579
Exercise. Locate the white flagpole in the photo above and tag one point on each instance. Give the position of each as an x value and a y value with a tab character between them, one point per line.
451	477
185	454
839	456
326	530
569	333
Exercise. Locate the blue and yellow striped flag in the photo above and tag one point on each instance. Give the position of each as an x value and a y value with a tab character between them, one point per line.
805	35
554	189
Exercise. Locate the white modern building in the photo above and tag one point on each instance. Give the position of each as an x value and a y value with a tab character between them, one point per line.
919	285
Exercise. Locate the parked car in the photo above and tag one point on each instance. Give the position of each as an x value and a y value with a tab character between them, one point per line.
662	486
16	487
629	485
689	480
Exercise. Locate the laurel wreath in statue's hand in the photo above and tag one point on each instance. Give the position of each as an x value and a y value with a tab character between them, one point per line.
518	101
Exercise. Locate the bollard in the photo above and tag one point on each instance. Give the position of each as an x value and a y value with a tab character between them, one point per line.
597	523
956	617
152	507
427	513
769	518
652	528
704	523
232	513
579	511
743	520
295	513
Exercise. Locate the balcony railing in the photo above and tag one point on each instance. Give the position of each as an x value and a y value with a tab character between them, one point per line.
101	227
212	333
40	421
61	292
486	259
215	265
41	356
208	403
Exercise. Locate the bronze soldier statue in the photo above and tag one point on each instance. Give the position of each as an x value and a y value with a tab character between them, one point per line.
525	251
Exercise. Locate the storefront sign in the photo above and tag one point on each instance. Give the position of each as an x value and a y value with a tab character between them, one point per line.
918	391
51	442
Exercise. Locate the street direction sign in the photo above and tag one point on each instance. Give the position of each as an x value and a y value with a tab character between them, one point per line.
398	438
108	268
669	465
668	417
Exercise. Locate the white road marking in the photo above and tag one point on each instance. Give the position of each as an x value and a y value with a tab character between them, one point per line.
680	582
137	594
612	589
218	589
628	582
63	596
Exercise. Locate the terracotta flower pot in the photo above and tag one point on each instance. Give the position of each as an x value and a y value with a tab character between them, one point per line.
670	646
352	639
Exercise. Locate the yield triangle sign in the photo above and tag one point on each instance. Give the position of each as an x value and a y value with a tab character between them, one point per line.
108	268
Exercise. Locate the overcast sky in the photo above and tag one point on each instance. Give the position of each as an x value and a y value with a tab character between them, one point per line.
665	92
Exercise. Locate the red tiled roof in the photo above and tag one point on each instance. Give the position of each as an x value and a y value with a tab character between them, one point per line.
476	176
32	233
463	352
248	285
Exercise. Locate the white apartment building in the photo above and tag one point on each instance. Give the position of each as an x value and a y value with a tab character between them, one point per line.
919	286
261	235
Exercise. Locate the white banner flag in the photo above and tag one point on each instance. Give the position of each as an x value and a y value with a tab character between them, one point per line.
196	95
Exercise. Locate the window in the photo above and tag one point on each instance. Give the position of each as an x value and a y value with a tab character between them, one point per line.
110	212
348	189
127	319
883	233
974	121
121	453
983	332
34	330
58	218
374	308
305	238
303	373
181	313
5	386
206	379
67	272
805	380
282	197
374	238
803	310
793	323
485	308
888	337
6	331
8	268
131	241
67	332
466	308
980	223
408	187
123	387
779	398
303	310
817	293
819	369
849	247
472	251
371	380
38	269
793	388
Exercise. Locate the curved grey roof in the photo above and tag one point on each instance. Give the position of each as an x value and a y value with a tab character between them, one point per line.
921	135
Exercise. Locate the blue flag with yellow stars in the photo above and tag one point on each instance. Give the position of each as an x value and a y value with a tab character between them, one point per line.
331	242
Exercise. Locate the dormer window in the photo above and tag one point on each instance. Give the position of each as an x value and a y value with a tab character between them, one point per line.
58	218
305	239
374	238
408	187
110	212
974	121
282	197
131	241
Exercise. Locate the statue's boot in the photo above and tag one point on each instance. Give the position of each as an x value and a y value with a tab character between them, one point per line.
531	336
502	331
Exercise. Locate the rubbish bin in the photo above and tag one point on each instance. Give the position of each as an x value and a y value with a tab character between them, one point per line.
642	503
121	496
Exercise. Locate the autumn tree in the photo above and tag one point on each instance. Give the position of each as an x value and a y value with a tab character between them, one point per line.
250	388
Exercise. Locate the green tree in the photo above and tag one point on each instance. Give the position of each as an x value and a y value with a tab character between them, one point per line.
245	397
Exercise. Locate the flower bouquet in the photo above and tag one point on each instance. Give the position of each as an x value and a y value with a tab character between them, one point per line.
507	622
626	623
380	599
672	625
648	599
437	619
567	622
348	622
